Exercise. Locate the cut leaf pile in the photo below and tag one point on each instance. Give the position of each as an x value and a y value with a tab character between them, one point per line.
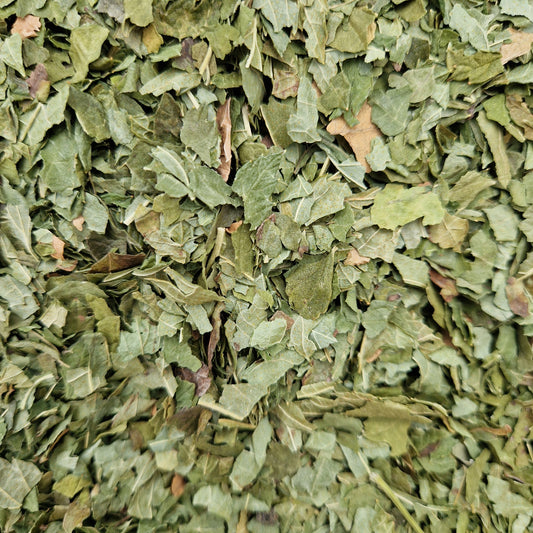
266	266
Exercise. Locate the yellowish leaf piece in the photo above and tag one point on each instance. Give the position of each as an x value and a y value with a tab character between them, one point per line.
450	233
151	39
27	26
520	44
360	136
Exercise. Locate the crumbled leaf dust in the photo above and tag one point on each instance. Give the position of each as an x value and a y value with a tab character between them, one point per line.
266	266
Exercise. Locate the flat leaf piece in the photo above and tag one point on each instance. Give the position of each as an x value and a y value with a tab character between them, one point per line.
301	126
356	32
360	136
450	232
27	26
37	79
390	110
280	14
17	478
255	182
309	285
113	262
85	45
396	206
520	44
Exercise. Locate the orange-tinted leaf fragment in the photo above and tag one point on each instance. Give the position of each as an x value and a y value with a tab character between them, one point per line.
360	136
177	486
27	26
516	296
448	288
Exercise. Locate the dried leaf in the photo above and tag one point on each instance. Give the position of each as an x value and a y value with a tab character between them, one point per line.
177	486
520	44
78	223
58	245
354	259
200	378
447	285
224	128
113	262
516	296
27	26
37	79
359	136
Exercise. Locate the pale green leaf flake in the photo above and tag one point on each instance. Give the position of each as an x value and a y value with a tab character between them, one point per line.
280	13
11	53
390	110
302	125
255	182
309	285
85	45
138	11
396	206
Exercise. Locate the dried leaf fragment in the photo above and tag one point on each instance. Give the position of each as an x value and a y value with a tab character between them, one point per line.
37	79
448	289
360	136
200	378
224	127
516	296
27	26
114	262
59	246
520	44
177	486
78	223
234	227
354	259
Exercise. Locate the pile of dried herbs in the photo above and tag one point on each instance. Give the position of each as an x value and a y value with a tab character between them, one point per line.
266	266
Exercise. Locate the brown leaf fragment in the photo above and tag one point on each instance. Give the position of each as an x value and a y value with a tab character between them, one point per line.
360	136
520	44
114	262
177	486
224	127
516	296
27	26
287	318
234	227
37	79
500	432
448	288
354	259
59	246
200	378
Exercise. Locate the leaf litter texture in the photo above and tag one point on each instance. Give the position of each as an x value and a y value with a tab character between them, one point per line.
266	266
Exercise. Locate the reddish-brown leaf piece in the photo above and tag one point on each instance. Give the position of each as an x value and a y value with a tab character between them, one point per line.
200	378
448	288
360	136
27	26
516	296
224	127
114	262
38	77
